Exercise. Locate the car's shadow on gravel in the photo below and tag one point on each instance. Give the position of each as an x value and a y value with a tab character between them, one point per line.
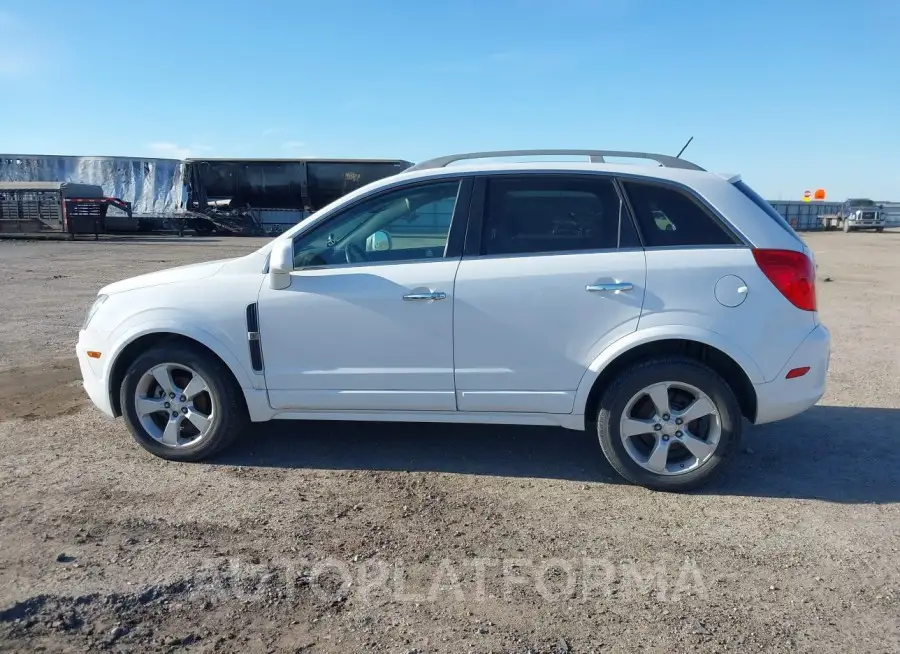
832	453
495	450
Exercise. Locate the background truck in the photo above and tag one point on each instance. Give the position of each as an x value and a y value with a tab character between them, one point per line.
856	213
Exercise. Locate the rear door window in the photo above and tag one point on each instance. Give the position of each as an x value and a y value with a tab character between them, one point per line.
534	214
668	217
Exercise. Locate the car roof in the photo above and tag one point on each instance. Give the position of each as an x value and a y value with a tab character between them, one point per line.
682	175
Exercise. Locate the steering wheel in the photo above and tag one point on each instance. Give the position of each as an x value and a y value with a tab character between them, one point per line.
355	254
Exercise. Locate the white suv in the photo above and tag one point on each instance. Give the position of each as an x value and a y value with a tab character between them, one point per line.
657	304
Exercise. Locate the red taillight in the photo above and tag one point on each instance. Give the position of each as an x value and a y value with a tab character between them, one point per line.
792	273
794	373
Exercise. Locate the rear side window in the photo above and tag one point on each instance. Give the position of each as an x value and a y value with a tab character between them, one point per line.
535	214
766	206
670	218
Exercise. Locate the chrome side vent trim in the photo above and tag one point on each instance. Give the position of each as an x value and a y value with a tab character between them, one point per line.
256	359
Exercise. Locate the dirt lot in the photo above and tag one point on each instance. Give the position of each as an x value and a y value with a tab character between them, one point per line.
328	537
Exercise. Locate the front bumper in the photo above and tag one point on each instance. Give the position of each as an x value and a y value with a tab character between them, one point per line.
93	372
783	398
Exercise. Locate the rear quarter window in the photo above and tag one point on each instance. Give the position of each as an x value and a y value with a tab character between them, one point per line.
668	217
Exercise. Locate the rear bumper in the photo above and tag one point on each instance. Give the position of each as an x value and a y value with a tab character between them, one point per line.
783	398
92	374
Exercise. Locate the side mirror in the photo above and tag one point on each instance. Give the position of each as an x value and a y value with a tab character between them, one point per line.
281	263
380	241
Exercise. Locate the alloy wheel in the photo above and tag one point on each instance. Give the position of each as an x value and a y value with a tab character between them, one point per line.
670	428
174	405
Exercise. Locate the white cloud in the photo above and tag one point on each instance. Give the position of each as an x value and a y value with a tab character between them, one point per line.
168	150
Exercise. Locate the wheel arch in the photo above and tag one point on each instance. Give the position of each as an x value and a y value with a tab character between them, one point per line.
616	359
141	342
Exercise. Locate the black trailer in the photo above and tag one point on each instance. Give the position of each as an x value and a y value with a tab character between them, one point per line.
267	196
28	208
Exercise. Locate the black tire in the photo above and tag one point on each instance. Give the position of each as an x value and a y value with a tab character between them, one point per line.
879	229
229	413
673	369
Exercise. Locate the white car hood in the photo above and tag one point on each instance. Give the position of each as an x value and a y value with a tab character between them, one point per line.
170	275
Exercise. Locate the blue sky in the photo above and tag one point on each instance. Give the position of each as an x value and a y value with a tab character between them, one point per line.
792	94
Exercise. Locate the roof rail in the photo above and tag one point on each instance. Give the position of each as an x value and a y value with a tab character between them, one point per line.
597	156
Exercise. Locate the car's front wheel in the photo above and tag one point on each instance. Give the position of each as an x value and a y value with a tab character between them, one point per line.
181	403
669	424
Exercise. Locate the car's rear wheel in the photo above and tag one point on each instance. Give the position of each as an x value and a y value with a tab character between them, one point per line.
181	403
669	424
879	229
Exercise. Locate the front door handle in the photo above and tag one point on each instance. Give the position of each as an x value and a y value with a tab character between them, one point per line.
607	288
434	295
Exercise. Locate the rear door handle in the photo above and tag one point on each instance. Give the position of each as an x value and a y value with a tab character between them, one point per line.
434	295
608	288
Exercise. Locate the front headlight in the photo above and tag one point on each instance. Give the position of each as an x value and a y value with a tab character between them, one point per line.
96	305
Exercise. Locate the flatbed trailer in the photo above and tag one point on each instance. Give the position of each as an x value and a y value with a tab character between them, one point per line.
55	208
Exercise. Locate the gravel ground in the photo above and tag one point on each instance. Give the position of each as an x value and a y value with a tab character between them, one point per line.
332	537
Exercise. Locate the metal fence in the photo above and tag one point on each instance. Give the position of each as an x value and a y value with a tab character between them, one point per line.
891	213
805	215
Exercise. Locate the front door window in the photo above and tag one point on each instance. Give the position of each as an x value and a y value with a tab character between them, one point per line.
404	225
